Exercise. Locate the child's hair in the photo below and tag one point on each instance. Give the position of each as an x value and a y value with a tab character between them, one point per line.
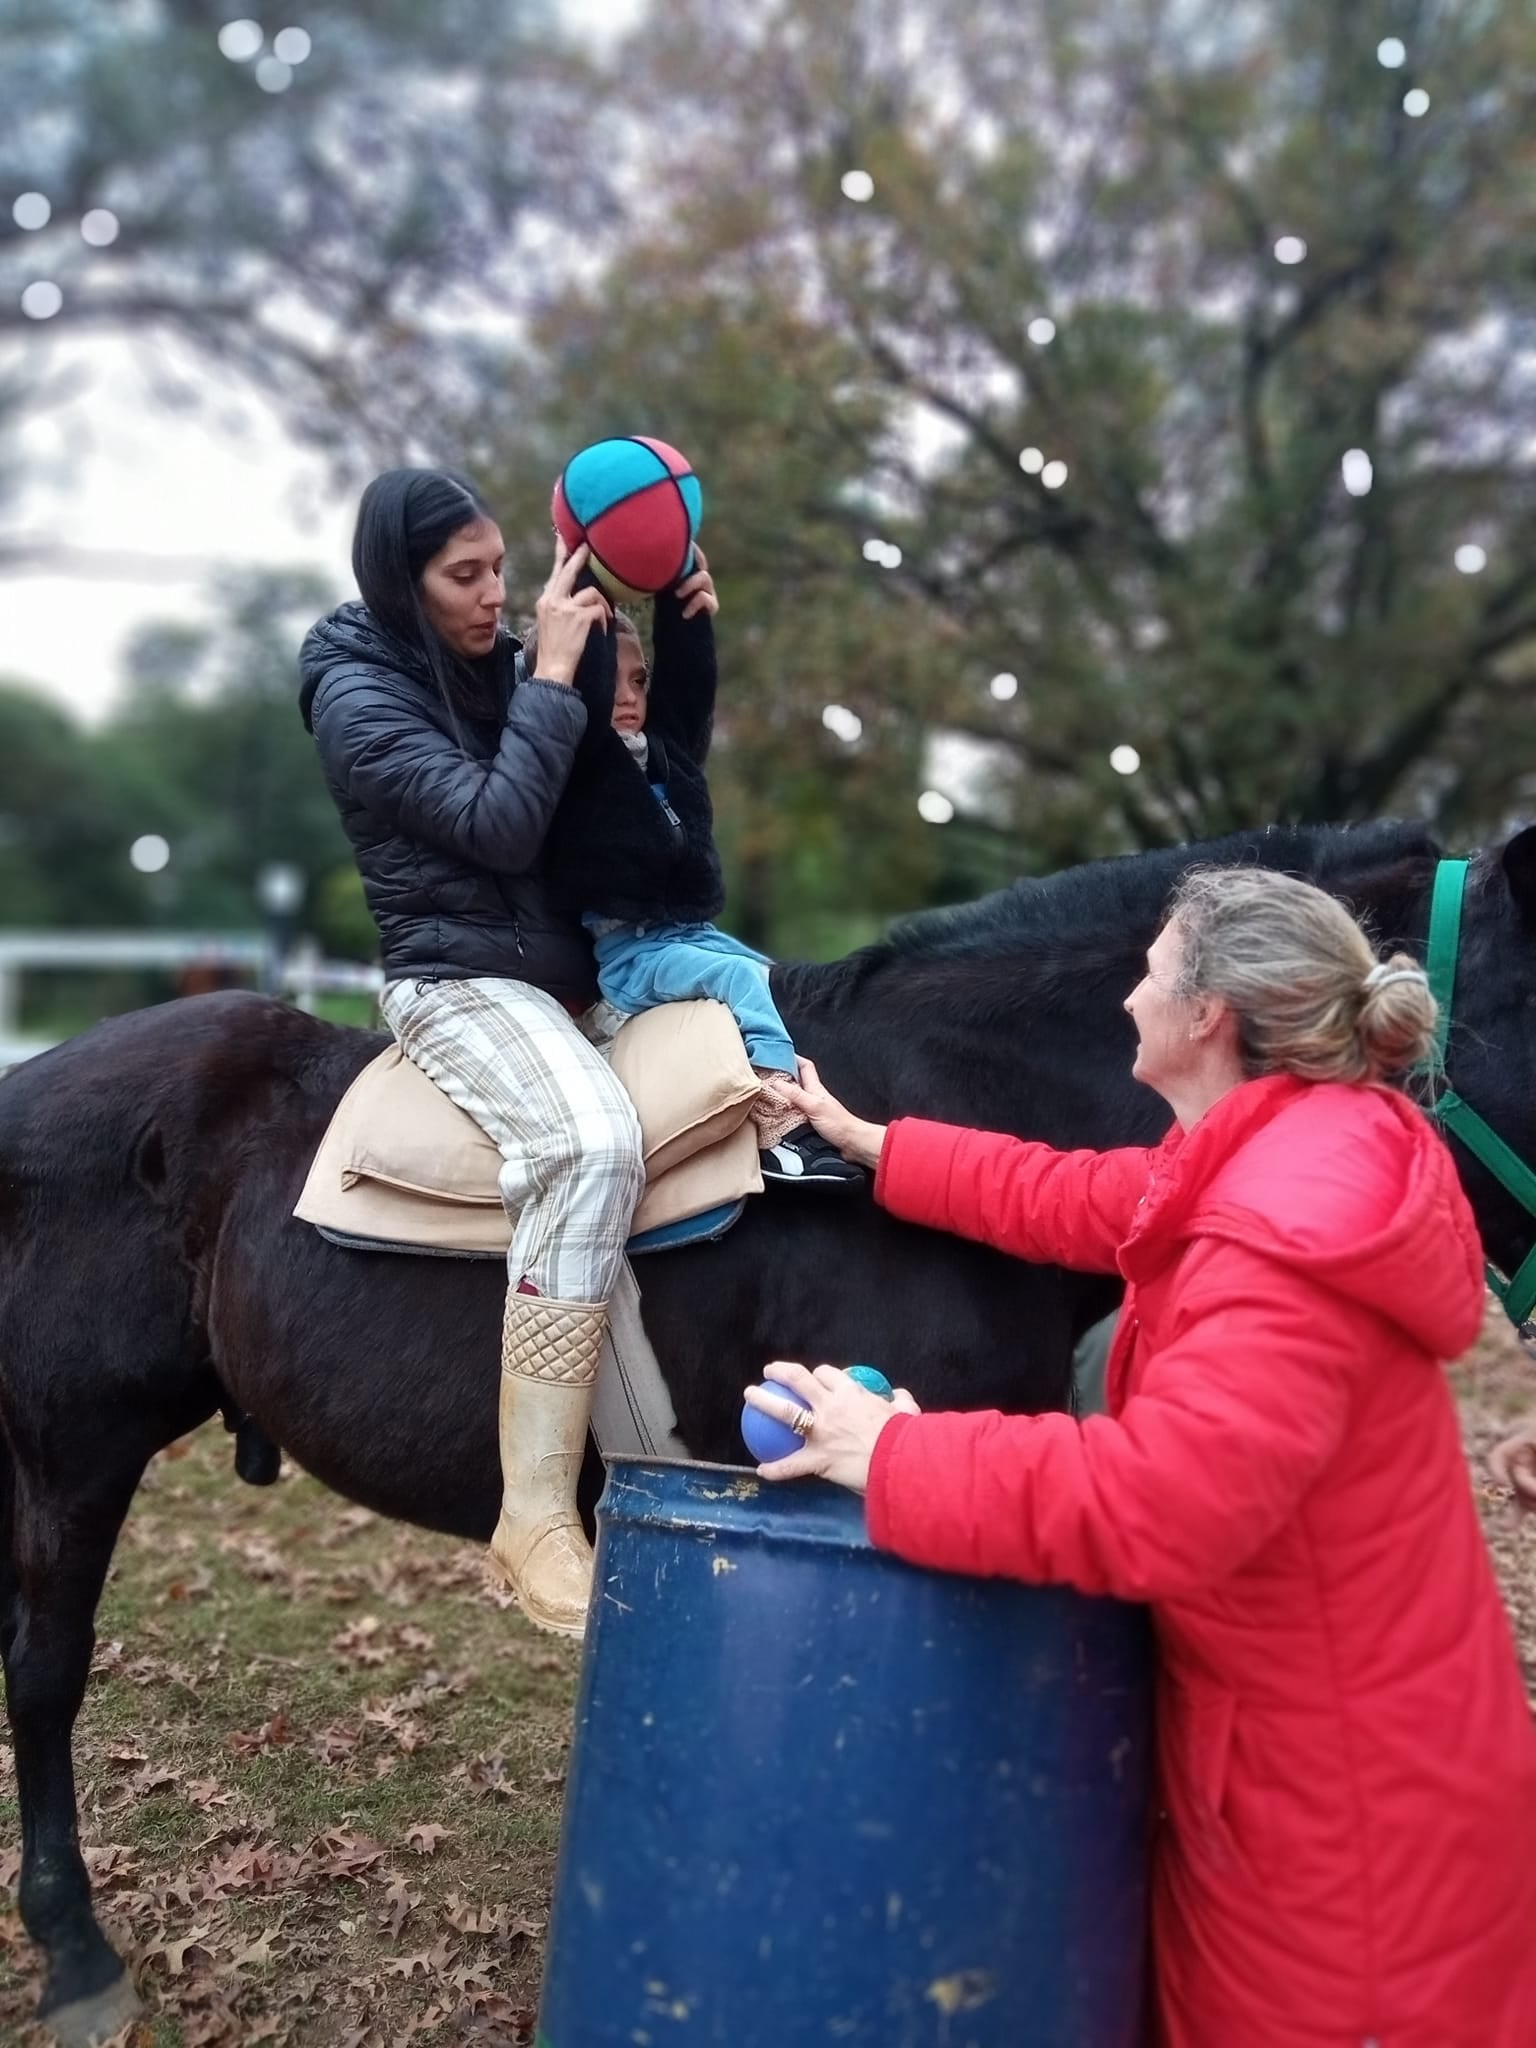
1301	977
622	623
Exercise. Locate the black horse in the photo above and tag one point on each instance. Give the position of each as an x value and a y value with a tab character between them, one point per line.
151	1272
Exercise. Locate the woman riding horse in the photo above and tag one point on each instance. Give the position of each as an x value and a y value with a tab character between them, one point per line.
447	763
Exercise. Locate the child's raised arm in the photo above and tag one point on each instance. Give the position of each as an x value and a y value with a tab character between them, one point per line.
684	674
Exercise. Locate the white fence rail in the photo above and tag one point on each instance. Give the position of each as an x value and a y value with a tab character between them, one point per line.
301	973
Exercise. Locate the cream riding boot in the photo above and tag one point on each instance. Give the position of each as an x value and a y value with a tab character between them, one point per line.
549	1354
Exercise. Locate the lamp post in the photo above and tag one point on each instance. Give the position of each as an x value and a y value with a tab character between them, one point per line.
279	891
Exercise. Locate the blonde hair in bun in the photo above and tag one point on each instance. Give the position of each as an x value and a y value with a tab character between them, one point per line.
1301	976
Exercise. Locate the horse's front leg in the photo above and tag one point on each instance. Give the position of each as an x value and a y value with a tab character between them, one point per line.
61	1545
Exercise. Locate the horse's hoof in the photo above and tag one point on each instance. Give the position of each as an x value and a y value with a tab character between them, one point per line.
90	2022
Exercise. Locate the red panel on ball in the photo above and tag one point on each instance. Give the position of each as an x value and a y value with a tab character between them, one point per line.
567	525
678	464
644	542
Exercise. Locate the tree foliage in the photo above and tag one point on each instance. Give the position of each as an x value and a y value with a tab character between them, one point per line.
209	740
205	749
328	240
1072	246
1202	586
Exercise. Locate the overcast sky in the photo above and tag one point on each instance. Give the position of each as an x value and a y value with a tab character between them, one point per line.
180	492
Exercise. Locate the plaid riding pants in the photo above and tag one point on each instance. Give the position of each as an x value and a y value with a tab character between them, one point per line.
517	1062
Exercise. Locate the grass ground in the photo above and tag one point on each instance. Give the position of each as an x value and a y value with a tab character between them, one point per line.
321	1769
321	1765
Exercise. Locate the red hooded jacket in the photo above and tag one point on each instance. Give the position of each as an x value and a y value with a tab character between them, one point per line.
1347	1852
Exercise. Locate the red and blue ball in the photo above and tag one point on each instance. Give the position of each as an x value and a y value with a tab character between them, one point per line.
636	503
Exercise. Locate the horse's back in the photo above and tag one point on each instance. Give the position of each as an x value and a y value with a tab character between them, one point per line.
195	1064
136	1132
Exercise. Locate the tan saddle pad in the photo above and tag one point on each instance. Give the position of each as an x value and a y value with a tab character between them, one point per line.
401	1164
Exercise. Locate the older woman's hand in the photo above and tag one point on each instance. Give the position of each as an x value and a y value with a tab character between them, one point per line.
846	1421
853	1137
696	592
565	616
1513	1463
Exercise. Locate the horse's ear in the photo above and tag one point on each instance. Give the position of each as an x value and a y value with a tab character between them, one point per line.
1518	859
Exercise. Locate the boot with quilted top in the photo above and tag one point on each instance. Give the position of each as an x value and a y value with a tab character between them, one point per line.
549	1356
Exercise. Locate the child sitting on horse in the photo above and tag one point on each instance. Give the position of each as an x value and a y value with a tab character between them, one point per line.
632	846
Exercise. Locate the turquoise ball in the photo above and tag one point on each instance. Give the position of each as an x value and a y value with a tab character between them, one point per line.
876	1381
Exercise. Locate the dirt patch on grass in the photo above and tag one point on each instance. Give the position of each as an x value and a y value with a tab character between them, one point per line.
321	1764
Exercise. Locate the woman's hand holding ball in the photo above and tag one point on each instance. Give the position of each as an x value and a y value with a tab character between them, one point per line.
839	1421
565	616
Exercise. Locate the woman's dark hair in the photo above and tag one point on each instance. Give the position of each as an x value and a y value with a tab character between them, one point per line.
406	517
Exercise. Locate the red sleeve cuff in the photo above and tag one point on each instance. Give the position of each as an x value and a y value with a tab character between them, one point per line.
919	1501
913	1169
877	1512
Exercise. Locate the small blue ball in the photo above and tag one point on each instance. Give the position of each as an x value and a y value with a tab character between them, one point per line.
764	1435
870	1376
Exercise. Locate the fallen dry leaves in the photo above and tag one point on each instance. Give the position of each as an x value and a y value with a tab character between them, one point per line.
1495	1383
227	1693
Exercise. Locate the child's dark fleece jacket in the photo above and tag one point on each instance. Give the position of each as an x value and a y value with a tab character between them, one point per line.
613	850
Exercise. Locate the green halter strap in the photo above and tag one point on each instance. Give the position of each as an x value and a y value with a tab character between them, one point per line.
1517	1294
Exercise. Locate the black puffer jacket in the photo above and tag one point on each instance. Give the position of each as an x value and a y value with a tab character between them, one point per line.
612	848
449	839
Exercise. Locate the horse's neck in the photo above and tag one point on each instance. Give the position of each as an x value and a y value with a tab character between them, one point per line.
1393	904
1031	1038
1038	1047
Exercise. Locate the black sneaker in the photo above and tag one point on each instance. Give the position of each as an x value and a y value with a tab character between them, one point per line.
800	1155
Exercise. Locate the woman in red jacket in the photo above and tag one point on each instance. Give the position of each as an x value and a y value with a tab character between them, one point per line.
1347	1761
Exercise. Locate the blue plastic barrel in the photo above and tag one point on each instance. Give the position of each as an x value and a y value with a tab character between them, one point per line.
819	1797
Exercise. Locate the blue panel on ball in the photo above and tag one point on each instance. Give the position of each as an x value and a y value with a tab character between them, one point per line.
608	472
693	498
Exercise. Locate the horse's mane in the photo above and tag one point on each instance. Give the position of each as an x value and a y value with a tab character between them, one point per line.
1053	921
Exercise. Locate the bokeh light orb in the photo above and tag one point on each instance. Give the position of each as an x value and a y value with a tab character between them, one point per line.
240	40
934	808
842	723
149	853
1124	760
